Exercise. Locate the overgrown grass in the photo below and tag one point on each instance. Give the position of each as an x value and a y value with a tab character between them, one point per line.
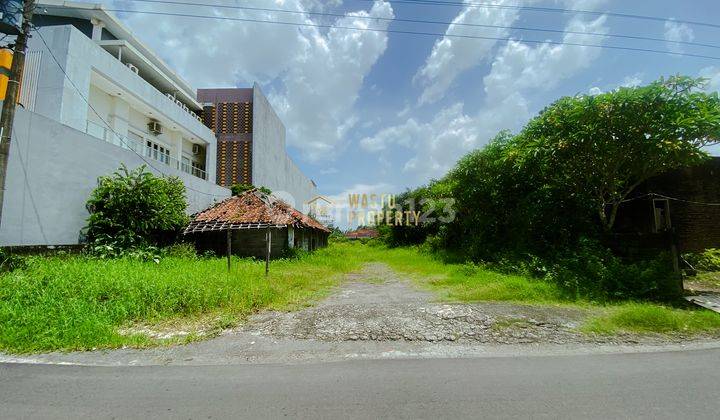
75	303
466	282
471	283
653	318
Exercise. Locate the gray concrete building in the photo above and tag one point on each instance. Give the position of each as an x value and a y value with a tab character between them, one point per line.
251	145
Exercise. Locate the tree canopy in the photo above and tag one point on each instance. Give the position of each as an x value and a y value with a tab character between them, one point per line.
564	176
601	147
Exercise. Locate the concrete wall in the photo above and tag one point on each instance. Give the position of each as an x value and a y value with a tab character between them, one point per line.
271	166
52	170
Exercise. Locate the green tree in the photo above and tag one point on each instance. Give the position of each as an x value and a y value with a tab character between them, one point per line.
600	148
131	209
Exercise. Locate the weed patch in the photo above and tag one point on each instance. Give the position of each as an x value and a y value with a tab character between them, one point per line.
652	318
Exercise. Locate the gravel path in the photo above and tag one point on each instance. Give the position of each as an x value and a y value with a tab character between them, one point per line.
377	304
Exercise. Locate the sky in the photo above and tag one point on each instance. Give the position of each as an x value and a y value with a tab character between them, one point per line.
377	112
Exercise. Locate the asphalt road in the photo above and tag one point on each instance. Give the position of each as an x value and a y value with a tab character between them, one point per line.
656	385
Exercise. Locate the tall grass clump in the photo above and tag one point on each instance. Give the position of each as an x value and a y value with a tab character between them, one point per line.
652	318
78	303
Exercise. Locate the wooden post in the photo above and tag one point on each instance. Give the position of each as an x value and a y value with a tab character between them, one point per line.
229	247
268	239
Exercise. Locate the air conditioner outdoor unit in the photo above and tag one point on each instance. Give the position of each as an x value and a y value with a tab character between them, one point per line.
197	149
133	68
155	128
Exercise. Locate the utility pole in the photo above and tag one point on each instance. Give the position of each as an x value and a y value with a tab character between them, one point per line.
13	88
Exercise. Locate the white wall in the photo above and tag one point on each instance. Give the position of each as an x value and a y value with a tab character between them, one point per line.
80	57
271	166
51	172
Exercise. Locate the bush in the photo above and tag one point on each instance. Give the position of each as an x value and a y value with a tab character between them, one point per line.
135	212
708	260
592	270
238	189
182	250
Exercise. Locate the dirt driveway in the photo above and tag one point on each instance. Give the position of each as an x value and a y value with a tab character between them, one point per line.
378	304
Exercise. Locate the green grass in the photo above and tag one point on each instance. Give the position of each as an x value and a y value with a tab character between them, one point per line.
464	282
653	318
75	303
468	283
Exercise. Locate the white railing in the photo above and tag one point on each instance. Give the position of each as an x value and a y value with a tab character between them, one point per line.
102	133
96	130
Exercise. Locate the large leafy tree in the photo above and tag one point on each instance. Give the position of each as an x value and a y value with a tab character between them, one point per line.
135	208
601	148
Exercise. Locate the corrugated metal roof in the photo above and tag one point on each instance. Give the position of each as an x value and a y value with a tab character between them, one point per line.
251	210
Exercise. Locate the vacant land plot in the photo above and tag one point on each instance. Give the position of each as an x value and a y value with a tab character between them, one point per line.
77	303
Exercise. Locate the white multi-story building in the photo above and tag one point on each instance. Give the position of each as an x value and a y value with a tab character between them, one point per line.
94	97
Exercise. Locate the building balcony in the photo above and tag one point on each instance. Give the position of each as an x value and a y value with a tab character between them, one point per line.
155	154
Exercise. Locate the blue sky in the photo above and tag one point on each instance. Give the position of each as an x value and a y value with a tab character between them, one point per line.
379	112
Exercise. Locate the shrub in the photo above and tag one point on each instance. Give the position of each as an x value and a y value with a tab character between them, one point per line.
708	260
181	250
135	211
238	189
592	271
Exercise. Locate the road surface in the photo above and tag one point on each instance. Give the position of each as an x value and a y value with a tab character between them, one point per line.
653	385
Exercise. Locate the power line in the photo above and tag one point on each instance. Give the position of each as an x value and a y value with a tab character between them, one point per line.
665	197
549	10
684	201
423	21
420	33
118	136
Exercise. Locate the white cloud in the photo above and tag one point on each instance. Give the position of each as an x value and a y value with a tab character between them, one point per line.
517	70
712	74
341	207
677	32
322	86
439	142
314	75
402	135
329	171
519	66
450	56
628	81
633	80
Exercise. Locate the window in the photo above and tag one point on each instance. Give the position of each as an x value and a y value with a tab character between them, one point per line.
95	130
661	213
198	169
185	164
157	152
136	141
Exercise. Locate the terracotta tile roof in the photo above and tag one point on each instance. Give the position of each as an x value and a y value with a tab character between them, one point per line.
251	209
362	233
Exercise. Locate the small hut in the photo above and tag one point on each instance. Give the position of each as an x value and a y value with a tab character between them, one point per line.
255	224
363	233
